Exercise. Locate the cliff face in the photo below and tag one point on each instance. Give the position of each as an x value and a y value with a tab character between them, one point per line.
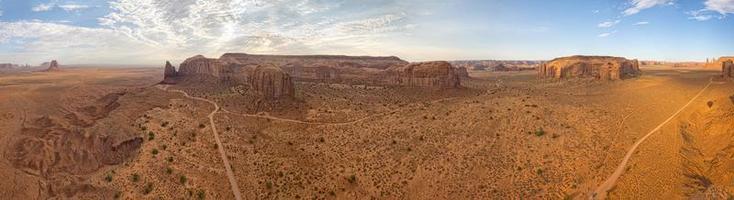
200	66
314	61
272	82
439	74
599	67
727	69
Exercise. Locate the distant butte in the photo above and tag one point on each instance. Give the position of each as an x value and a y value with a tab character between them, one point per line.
53	66
272	75
598	67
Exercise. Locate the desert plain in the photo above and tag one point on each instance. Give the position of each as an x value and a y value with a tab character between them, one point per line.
127	133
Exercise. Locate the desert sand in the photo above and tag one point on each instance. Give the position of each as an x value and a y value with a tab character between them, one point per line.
97	133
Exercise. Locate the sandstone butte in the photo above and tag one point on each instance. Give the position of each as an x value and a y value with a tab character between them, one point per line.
52	67
727	69
599	67
273	75
719	62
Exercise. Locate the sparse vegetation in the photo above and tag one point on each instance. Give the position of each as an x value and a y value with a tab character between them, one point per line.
169	159
154	152
148	188
268	185
201	194
135	178
169	170
539	132
182	179
108	178
352	179
202	126
151	136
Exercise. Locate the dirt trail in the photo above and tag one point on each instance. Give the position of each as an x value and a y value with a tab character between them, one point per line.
228	168
608	184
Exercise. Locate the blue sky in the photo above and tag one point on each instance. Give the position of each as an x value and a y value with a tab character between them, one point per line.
150	31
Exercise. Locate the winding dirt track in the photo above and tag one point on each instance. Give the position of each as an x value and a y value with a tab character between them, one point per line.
601	191
228	168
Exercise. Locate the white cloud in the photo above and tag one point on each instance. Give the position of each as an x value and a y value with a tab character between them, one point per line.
639	5
608	24
723	7
642	23
162	30
73	7
43	7
607	34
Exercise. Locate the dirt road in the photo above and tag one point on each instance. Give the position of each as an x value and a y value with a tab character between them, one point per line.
601	191
222	153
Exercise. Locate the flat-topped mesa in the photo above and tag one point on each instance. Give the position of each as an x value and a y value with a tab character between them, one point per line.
438	74
727	69
271	82
313	61
599	67
200	66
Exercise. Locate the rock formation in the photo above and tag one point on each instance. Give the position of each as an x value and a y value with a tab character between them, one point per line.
53	66
719	62
439	74
271	82
728	69
169	71
462	72
599	67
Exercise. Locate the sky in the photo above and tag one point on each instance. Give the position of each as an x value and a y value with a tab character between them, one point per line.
153	31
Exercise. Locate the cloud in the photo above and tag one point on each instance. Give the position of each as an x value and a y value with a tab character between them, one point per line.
639	5
43	7
608	24
607	34
73	7
163	30
642	23
723	7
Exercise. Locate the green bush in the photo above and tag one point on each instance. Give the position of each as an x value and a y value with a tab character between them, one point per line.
539	132
135	178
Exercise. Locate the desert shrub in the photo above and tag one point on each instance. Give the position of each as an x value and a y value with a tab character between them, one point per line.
148	188
154	152
151	136
202	126
539	132
182	179
201	194
169	170
164	124
135	177
108	178
352	179
268	185
169	159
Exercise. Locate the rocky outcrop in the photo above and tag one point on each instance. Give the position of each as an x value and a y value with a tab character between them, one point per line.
52	67
727	69
271	82
719	62
169	71
439	74
200	66
599	67
462	72
313	61
169	74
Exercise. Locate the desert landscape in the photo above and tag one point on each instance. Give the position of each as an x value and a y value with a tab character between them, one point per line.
240	127
394	99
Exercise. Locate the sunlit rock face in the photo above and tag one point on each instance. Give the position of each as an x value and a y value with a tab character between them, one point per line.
271	82
438	74
599	67
727	69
